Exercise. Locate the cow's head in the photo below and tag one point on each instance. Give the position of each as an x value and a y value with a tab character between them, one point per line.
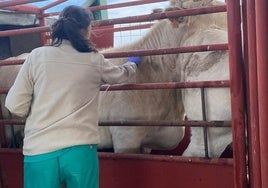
184	4
175	21
190	3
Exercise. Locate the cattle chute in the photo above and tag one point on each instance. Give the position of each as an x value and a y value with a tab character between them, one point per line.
235	168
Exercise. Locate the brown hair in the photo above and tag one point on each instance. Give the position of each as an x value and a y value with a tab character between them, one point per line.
69	25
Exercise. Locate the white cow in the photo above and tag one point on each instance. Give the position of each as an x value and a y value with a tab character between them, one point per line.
146	105
7	77
194	30
204	66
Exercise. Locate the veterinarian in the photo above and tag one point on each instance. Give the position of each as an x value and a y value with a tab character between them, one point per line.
57	90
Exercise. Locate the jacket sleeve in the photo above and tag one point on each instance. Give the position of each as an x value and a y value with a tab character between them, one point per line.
19	97
114	74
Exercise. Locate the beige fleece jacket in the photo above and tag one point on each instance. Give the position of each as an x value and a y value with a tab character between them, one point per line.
57	90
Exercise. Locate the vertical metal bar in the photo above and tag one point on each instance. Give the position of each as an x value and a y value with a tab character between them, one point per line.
237	92
261	7
14	143
253	122
204	115
42	22
2	130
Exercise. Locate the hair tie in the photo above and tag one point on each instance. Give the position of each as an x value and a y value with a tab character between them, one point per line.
70	20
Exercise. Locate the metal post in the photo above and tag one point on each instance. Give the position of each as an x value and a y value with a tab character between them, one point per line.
261	7
42	23
253	121
237	92
2	131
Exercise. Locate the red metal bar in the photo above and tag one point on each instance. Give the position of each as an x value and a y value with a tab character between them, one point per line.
16	2
253	122
144	123
135	27
163	15
119	156
167	123
187	49
11	62
13	122
23	9
125	4
24	31
215	161
2	130
3	91
237	93
42	23
164	85
261	7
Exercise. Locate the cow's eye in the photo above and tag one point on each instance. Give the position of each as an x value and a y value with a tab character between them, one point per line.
181	19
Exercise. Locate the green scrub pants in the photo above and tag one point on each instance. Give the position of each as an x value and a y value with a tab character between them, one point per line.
74	167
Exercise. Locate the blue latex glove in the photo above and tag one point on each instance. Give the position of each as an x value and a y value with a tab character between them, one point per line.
134	59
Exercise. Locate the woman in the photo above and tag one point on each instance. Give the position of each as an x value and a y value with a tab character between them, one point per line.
57	90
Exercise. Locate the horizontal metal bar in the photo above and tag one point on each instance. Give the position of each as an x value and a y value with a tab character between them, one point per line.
154	123
186	49
117	29
24	31
4	91
23	9
144	157
163	85
11	62
162	51
16	2
11	122
166	85
15	151
165	158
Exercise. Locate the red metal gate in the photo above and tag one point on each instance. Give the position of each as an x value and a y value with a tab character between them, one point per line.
175	171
